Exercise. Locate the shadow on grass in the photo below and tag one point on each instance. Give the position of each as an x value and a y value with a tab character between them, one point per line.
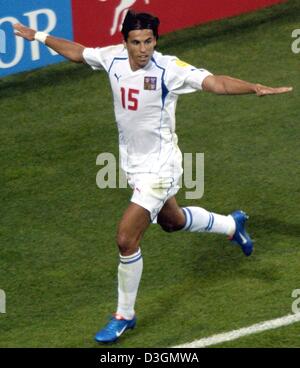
219	262
268	225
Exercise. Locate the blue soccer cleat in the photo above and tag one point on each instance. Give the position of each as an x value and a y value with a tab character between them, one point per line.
114	329
240	236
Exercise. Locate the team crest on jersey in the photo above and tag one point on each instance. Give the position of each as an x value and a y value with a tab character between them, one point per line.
150	83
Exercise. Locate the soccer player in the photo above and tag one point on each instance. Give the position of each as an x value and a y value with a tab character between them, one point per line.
146	86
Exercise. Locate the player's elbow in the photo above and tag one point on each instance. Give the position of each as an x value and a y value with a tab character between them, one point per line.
214	84
73	52
77	57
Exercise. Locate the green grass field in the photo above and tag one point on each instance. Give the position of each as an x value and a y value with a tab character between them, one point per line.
58	256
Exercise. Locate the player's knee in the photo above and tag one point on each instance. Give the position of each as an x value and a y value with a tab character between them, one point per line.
126	244
170	227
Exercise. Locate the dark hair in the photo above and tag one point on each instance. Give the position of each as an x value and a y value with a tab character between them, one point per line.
135	21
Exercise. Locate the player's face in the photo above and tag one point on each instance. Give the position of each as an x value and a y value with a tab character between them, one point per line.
140	46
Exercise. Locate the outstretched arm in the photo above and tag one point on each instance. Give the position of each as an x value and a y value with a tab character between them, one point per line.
224	85
69	49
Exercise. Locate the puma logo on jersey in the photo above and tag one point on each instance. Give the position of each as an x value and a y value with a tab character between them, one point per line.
150	83
118	77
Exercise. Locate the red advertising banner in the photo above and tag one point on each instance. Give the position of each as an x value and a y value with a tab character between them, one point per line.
98	22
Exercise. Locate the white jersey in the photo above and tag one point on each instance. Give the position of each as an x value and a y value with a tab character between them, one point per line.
145	103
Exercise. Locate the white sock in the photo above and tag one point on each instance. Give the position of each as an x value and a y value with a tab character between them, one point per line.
129	276
200	220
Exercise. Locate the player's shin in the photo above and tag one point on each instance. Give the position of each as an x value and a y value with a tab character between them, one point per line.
200	220
129	276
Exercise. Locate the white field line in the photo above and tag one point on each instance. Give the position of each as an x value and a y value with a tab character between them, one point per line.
236	334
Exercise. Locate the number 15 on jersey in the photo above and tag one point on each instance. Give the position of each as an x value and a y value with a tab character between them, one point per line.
129	98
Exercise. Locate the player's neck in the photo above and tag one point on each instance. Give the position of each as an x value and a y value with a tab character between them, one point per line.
134	66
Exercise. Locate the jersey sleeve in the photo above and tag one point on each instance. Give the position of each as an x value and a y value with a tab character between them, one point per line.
184	78
100	58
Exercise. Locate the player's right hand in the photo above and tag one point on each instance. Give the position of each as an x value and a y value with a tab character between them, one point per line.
23	31
261	90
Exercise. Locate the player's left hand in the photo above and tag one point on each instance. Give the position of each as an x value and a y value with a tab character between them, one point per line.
261	90
23	31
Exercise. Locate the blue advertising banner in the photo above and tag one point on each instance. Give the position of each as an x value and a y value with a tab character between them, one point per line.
50	16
